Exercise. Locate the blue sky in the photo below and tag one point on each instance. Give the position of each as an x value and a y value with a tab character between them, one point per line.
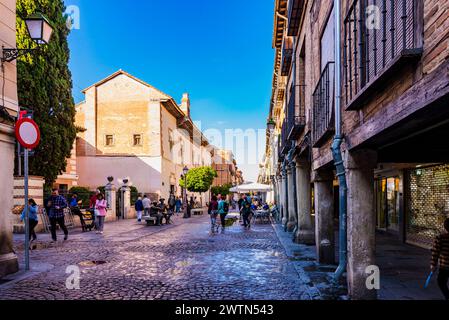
219	51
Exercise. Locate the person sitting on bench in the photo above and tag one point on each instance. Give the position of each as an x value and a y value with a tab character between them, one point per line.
155	212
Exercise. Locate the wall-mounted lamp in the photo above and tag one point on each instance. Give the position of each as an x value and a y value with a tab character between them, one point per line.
40	31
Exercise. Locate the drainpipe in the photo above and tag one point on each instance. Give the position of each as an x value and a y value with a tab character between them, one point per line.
336	151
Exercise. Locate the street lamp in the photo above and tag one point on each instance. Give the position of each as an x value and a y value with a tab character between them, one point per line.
185	171
271	124
39	30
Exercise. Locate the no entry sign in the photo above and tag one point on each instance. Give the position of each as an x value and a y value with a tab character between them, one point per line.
27	133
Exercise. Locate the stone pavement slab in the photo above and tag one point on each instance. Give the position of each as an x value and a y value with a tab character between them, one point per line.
182	261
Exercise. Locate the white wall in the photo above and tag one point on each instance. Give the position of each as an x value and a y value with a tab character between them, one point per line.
144	172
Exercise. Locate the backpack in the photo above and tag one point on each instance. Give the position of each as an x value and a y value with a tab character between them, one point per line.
226	207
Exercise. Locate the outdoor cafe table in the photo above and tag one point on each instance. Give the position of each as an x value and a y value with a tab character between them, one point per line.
261	214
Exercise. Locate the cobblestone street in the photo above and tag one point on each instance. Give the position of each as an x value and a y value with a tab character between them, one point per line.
181	261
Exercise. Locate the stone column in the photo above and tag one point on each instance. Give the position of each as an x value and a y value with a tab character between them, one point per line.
283	198
111	196
305	233
324	216
8	259
291	224
125	192
361	221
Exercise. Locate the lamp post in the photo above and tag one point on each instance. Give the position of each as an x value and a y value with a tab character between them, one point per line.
39	30
185	171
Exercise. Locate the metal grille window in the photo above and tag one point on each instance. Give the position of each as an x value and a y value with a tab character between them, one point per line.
323	103
377	35
427	203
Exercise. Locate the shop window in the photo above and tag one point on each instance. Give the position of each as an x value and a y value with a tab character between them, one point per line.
427	203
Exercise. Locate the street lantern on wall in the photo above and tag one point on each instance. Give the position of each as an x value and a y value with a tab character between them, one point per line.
39	30
271	124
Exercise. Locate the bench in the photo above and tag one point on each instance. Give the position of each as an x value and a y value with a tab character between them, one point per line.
198	212
151	221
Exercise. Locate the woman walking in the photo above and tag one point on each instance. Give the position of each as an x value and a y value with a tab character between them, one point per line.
213	213
100	212
32	218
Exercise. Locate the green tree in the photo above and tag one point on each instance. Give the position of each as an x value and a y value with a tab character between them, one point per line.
45	86
223	189
199	179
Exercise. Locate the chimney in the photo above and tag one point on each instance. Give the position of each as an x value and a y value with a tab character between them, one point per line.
185	104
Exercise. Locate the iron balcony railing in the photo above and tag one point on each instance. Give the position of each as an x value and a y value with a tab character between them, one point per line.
296	119
379	37
323	106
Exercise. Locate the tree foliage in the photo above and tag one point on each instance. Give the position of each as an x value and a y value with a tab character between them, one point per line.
45	86
223	189
199	179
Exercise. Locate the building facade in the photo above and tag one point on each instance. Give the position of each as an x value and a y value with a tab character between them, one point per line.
224	163
394	99
8	113
135	131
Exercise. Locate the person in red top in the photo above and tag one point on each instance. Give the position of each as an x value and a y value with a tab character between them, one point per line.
93	199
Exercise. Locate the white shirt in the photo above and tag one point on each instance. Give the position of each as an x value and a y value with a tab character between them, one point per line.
146	203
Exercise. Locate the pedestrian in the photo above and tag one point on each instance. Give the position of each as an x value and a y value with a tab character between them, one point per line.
223	209
93	199
246	212
146	202
33	209
178	205
163	209
139	208
213	212
171	203
440	259
100	212
56	205
75	209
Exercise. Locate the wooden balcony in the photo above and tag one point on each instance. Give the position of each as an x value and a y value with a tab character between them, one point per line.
377	45
295	10
323	107
287	55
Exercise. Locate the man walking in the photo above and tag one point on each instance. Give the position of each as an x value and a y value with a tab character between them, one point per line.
246	211
146	205
56	214
440	258
139	208
223	209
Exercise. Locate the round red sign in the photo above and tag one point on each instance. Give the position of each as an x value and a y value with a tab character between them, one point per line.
27	133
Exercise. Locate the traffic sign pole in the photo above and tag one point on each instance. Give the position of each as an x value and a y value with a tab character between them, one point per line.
28	135
27	214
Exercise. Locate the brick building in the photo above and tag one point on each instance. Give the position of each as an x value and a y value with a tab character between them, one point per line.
135	130
394	101
224	163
